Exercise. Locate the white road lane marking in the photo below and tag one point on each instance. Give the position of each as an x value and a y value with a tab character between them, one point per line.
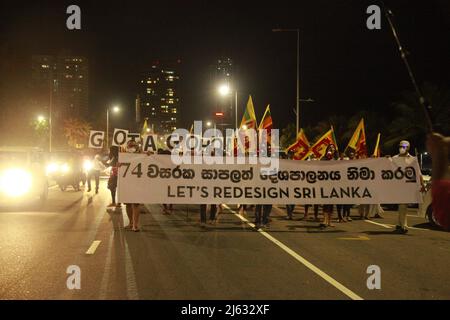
132	291
391	226
302	260
93	247
387	226
107	270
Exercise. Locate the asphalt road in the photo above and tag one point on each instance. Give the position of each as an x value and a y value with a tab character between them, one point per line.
174	258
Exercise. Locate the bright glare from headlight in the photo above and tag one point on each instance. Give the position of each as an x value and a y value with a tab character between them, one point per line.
15	182
87	165
65	168
52	168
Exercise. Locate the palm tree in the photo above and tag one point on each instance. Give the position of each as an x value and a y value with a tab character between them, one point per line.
410	123
76	131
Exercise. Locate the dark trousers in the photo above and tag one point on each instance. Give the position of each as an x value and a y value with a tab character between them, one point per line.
96	175
113	195
262	213
212	213
290	209
343	210
316	209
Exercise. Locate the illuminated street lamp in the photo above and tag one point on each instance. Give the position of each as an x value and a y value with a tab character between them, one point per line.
225	90
114	109
40	118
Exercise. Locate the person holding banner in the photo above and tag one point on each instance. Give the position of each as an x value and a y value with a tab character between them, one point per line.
330	154
133	211
402	226
112	181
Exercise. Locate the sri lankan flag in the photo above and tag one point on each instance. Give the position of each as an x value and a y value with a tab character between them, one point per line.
377	151
266	123
249	117
300	148
358	141
320	147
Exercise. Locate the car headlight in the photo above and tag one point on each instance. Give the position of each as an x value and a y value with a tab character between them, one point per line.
15	182
87	165
52	168
65	168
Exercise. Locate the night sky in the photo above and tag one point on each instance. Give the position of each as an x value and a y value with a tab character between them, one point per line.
344	66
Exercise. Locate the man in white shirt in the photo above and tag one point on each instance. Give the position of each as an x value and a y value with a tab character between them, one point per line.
97	167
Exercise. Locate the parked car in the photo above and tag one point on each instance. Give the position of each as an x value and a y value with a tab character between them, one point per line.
22	175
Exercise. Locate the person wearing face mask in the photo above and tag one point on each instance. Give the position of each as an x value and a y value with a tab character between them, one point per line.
403	152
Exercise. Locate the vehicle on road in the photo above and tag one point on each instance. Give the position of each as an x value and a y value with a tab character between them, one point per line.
22	175
66	169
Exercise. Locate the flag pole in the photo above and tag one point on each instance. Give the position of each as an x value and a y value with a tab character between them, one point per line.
425	105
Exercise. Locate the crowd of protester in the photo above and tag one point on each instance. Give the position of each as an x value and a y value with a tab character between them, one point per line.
262	212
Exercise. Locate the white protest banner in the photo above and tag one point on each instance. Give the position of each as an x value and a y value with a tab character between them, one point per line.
96	139
119	137
155	179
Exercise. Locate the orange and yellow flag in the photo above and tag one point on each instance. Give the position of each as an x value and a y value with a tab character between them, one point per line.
249	117
300	148
358	141
320	147
266	122
377	151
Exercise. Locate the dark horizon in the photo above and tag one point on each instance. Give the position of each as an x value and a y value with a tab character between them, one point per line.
344	66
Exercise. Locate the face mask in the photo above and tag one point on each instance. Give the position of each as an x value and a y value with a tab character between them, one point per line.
402	150
132	150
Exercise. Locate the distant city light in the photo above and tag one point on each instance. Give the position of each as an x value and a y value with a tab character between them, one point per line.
115	109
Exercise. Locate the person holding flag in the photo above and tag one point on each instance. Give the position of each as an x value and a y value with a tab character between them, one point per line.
320	148
297	151
300	148
357	142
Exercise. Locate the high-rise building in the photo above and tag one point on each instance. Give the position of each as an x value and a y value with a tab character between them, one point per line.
223	75
159	96
69	77
224	69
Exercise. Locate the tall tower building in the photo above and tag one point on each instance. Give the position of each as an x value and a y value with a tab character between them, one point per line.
159	96
224	69
223	74
69	76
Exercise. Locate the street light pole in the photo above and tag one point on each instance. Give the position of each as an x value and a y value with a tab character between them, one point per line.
235	110
107	128
298	73
298	81
50	128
